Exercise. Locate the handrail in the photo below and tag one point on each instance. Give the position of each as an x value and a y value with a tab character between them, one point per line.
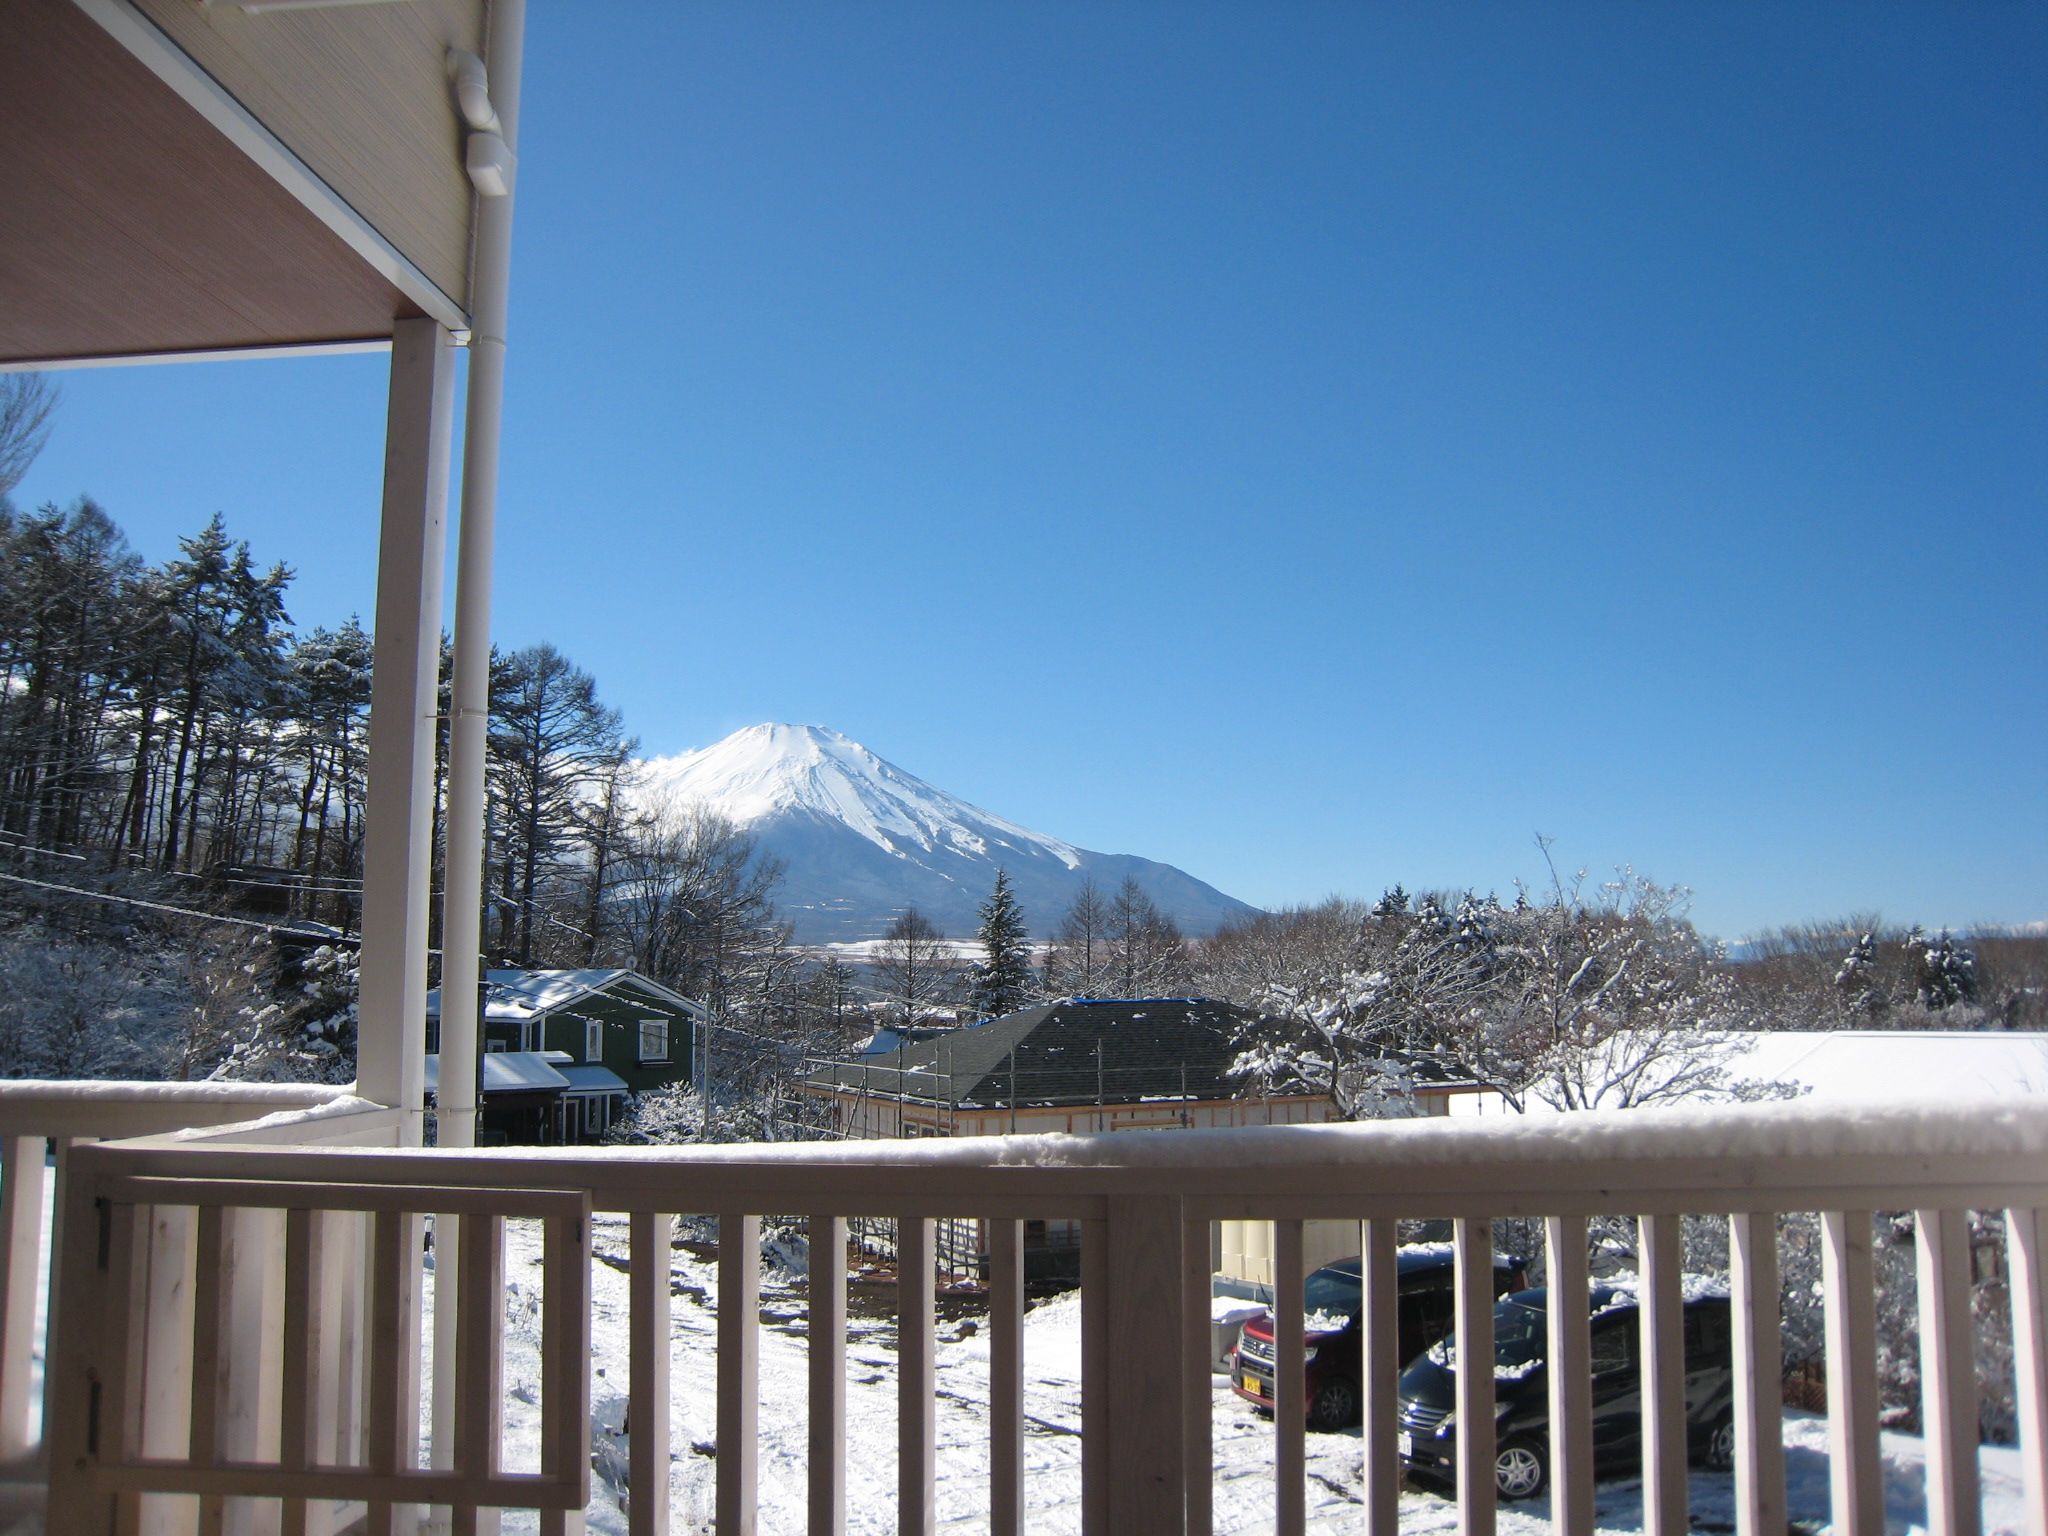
1648	1161
106	1109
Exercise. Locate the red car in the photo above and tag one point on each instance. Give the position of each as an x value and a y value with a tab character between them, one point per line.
1331	1304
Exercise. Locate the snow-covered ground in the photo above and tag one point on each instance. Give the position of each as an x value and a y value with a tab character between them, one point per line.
1243	1442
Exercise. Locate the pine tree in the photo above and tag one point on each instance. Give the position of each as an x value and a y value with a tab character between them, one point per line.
1947	971
1856	980
1002	980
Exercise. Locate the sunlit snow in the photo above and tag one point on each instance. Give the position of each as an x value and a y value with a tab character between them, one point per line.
1243	1442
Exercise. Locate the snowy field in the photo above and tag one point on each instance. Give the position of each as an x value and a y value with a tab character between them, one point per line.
1243	1443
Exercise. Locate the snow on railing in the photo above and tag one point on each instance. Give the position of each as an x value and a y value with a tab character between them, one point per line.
158	1396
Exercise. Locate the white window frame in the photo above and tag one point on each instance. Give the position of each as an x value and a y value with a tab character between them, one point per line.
666	1044
593	1042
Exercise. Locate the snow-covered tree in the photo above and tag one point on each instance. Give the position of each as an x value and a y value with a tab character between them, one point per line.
1946	971
1002	981
1600	999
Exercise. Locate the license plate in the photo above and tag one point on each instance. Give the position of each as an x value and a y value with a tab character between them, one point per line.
1252	1384
1405	1443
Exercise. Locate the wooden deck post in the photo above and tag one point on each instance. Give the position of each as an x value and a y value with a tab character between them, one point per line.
398	819
1147	1488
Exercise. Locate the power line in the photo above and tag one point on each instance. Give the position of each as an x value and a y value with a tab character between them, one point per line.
204	917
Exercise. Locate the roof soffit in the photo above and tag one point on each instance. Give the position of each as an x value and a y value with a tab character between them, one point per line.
360	94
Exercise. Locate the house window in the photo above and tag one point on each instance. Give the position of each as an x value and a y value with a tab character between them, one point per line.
593	1041
654	1039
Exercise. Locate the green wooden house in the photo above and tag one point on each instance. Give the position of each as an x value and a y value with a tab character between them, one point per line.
605	1033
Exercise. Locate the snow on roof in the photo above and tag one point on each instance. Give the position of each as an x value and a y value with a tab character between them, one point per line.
509	1072
1884	1064
513	996
593	1080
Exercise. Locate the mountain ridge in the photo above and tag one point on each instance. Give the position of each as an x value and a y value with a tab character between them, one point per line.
861	839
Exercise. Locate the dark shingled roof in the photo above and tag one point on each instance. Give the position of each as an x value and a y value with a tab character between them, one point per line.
1077	1051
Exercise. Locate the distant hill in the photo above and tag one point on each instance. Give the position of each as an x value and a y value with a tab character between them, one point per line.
863	840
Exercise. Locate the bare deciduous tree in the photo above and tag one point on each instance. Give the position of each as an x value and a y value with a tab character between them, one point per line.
26	403
915	967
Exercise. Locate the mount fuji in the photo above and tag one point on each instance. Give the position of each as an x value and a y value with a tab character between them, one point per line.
862	840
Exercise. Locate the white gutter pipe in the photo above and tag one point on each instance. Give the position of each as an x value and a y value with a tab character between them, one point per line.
488	93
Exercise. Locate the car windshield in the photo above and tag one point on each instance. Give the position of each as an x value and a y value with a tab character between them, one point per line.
1332	1300
1518	1334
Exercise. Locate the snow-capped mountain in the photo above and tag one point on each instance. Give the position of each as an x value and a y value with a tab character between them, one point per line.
862	839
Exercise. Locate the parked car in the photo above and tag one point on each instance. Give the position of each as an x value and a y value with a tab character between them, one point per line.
1521	1467
1331	1304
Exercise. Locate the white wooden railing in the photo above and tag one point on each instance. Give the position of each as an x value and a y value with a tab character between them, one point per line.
160	1397
40	1124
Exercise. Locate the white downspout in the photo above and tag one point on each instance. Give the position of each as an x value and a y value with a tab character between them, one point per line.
490	101
487	93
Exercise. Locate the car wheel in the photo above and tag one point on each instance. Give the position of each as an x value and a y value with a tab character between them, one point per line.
1520	1469
1335	1405
1720	1453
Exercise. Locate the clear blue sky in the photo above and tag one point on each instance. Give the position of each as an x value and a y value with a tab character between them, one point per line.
1316	445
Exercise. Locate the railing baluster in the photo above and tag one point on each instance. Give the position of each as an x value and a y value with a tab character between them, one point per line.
252	1295
60	1213
301	1387
2030	1358
916	1418
344	1329
1096	1367
825	1341
647	1414
21	1270
1198	1348
164	1398
1570	1354
1146	1306
1855	1475
1290	1391
447	1336
479	1364
391	1409
1666	1507
1005	1380
739	1360
1759	1375
565	1364
1472	1242
1948	1372
92	1418
208	1305
1380	1383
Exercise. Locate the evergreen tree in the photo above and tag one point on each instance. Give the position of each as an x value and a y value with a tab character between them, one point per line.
1002	980
550	744
1946	971
1856	979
